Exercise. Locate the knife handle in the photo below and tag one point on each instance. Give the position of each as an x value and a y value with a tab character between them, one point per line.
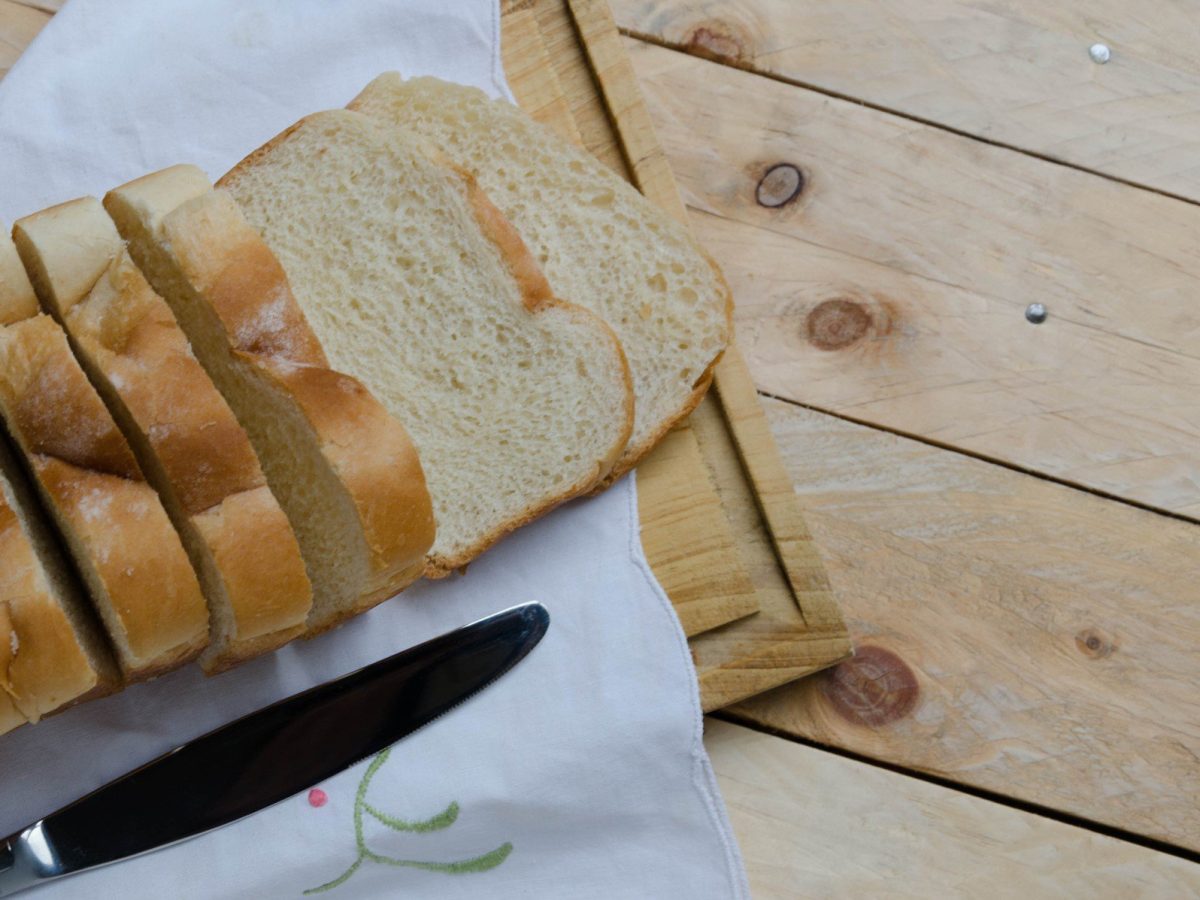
27	859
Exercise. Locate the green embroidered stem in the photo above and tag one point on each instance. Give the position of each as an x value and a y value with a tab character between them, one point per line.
444	819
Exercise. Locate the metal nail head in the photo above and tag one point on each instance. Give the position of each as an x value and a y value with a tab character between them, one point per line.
1099	53
1036	313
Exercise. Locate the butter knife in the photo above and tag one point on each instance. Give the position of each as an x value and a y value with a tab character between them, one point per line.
270	755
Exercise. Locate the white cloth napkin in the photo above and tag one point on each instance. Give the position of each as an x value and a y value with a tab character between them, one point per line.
582	772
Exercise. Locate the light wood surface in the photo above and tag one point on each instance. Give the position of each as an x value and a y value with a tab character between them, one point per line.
19	24
812	824
1012	634
798	629
893	290
1017	73
685	532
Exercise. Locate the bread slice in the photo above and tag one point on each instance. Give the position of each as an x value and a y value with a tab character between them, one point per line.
52	651
343	470
417	285
183	433
601	244
123	544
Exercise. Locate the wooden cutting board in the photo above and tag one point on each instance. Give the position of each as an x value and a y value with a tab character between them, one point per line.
720	522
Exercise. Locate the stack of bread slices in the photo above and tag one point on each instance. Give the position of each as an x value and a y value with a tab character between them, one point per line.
241	414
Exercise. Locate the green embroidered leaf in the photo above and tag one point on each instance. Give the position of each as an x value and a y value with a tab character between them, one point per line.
461	867
341	879
444	819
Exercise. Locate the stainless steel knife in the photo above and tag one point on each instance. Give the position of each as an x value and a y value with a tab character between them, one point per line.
271	754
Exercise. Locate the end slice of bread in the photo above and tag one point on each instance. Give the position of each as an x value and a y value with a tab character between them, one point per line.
124	546
601	243
52	651
416	284
345	472
183	433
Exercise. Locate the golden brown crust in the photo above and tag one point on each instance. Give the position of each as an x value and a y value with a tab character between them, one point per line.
17	300
126	334
90	478
136	555
369	450
375	461
258	557
230	266
42	665
536	298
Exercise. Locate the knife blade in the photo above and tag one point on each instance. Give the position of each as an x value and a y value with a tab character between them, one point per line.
272	754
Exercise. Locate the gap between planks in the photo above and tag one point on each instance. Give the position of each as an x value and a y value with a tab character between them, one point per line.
936	243
657	41
1025	806
982	457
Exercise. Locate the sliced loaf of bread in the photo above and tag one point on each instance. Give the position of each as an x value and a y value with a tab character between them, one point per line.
344	471
183	433
601	244
52	651
417	285
133	565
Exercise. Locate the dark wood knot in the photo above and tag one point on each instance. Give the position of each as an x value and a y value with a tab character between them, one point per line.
1095	644
874	687
836	324
718	41
780	185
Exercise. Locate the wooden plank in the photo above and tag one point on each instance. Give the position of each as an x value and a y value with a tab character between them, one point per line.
19	24
578	85
881	833
893	288
685	533
1017	73
1012	634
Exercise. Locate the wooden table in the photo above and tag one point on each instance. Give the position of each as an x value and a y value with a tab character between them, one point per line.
1007	510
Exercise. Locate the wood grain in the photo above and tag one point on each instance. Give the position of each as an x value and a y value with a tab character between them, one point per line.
1017	73
799	628
893	288
878	833
743	417
19	24
1012	634
685	533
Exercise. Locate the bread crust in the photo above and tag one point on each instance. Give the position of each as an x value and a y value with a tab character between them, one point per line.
537	298
89	477
42	664
375	96
231	267
128	336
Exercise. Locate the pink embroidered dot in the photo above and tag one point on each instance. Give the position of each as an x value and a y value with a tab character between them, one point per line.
317	798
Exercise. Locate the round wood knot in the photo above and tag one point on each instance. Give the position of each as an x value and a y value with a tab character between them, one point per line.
1095	644
717	41
836	324
779	186
872	688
